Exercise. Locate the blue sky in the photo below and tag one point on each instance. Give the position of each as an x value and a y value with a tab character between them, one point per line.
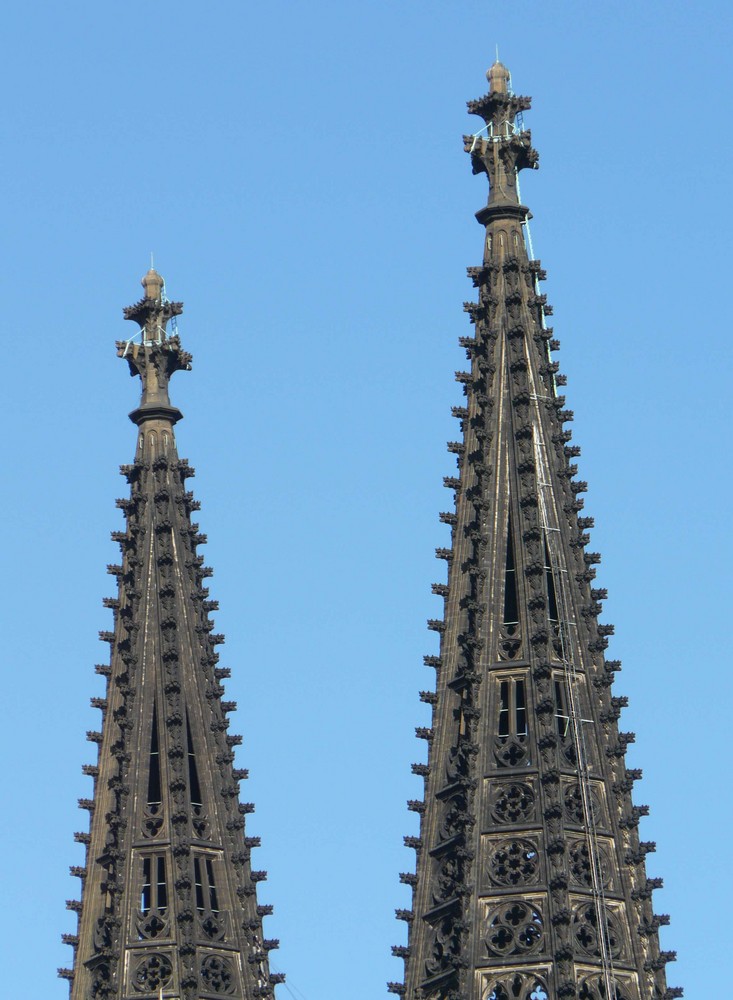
298	171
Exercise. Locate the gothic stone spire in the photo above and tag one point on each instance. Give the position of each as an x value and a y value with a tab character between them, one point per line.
530	880
168	896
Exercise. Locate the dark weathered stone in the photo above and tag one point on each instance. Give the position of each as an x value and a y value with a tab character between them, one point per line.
169	896
530	879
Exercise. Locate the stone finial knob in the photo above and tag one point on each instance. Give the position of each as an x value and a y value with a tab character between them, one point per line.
498	76
153	285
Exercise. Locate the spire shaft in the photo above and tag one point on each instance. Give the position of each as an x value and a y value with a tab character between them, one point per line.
530	881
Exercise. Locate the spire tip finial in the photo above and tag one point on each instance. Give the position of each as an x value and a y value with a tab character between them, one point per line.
498	76
153	283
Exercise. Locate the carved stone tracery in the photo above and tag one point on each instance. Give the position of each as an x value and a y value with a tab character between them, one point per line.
514	863
152	973
218	975
515	927
517	987
512	803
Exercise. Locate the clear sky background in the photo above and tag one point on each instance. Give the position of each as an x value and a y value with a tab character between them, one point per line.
297	168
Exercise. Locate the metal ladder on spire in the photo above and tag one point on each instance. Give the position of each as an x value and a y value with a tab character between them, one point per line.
565	626
165	301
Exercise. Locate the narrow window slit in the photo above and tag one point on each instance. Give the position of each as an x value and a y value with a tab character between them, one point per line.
511	601
154	784
504	710
162	885
213	898
551	594
147	887
198	884
563	719
521	709
193	774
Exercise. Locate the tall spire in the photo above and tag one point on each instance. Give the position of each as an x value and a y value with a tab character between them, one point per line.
530	881
169	898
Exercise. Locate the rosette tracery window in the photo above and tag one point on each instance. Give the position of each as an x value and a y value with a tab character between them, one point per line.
514	928
512	803
513	863
152	973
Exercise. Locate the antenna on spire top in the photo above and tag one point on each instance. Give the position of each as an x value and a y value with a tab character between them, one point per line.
497	52
152	264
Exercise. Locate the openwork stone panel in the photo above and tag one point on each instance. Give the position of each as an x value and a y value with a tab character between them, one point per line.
588	934
512	863
515	927
151	972
517	986
593	987
512	802
152	925
218	976
444	947
573	802
580	867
